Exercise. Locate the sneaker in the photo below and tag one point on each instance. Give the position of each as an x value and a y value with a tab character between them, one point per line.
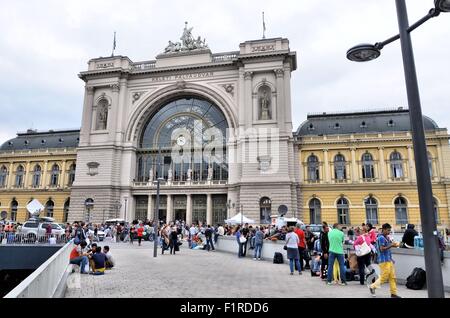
343	283
329	283
254	258
372	291
300	273
292	273
259	259
395	296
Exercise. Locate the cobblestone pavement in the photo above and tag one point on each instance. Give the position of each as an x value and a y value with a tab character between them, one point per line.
197	273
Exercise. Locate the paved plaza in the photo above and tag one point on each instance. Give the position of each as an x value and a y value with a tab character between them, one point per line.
198	273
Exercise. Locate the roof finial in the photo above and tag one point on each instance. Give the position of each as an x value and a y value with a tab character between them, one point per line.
264	26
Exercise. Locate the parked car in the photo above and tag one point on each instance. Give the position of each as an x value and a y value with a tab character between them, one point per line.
34	226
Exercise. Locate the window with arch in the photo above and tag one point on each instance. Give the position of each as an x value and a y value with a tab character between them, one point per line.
49	208
339	167
396	165
430	164
20	172
401	211
72	174
66	210
37	171
343	211
14	207
367	166
265	207
315	215
54	176
313	168
3	176
102	115
436	211
371	210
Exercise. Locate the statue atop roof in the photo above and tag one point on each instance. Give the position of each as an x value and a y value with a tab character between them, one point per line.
188	42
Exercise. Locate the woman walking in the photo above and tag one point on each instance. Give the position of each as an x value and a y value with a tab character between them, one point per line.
140	233
291	246
173	240
363	247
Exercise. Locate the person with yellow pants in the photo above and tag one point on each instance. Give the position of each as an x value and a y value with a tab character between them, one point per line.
386	263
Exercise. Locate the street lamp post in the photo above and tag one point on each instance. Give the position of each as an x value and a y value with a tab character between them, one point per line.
156	220
367	52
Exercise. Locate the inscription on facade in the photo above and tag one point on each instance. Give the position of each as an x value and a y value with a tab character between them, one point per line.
182	77
263	48
104	65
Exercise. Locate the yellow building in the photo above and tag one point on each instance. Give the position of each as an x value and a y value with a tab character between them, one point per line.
359	167
38	165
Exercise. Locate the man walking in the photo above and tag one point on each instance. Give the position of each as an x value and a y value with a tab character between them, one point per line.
336	251
324	246
385	262
259	239
208	234
301	244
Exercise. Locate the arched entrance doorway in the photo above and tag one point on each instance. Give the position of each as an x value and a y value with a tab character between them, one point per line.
265	207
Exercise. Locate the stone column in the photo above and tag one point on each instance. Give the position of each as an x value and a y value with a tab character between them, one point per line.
87	115
113	111
63	174
189	209
169	217
355	176
279	73
382	169
209	208
150	208
326	166
435	174
248	99
44	175
411	168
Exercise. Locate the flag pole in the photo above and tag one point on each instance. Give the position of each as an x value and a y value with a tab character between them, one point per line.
264	26
114	44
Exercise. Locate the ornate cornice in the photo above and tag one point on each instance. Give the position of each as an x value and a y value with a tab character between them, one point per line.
279	72
115	87
248	75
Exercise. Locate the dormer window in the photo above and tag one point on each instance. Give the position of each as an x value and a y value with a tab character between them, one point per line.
337	126
43	141
311	127
363	125
26	142
60	140
391	123
10	143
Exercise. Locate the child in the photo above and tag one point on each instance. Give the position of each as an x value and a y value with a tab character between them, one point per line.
316	263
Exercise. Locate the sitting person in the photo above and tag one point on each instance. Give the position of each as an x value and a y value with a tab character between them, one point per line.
351	267
99	262
316	263
79	257
109	259
91	252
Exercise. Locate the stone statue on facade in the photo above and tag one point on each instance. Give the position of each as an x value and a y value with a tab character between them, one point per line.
102	118
210	173
169	178
189	174
188	42
265	107
150	175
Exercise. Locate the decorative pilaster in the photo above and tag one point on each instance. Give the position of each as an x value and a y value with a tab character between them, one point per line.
150	208
382	169
10	176
63	174
44	175
169	217
326	166
411	167
279	73
209	208
27	174
112	113
440	159
248	76
189	209
87	114
354	165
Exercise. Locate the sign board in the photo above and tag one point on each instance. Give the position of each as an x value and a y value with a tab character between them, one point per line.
35	207
282	210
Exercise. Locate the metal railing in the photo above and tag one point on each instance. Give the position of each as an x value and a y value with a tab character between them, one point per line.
144	66
13	238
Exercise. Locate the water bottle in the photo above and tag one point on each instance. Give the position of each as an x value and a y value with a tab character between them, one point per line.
416	241
421	241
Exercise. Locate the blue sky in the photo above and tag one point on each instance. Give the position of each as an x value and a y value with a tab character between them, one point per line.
44	44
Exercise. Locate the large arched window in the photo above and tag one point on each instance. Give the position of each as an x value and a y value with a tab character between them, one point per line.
343	211
54	176
396	165
14	207
184	141
36	182
371	210
49	208
20	172
401	211
367	167
339	168
313	168
315	214
265	208
72	174
3	176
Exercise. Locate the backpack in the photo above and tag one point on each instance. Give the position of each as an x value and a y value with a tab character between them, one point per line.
278	258
417	279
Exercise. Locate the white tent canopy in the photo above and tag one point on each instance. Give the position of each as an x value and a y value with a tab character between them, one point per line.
238	219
